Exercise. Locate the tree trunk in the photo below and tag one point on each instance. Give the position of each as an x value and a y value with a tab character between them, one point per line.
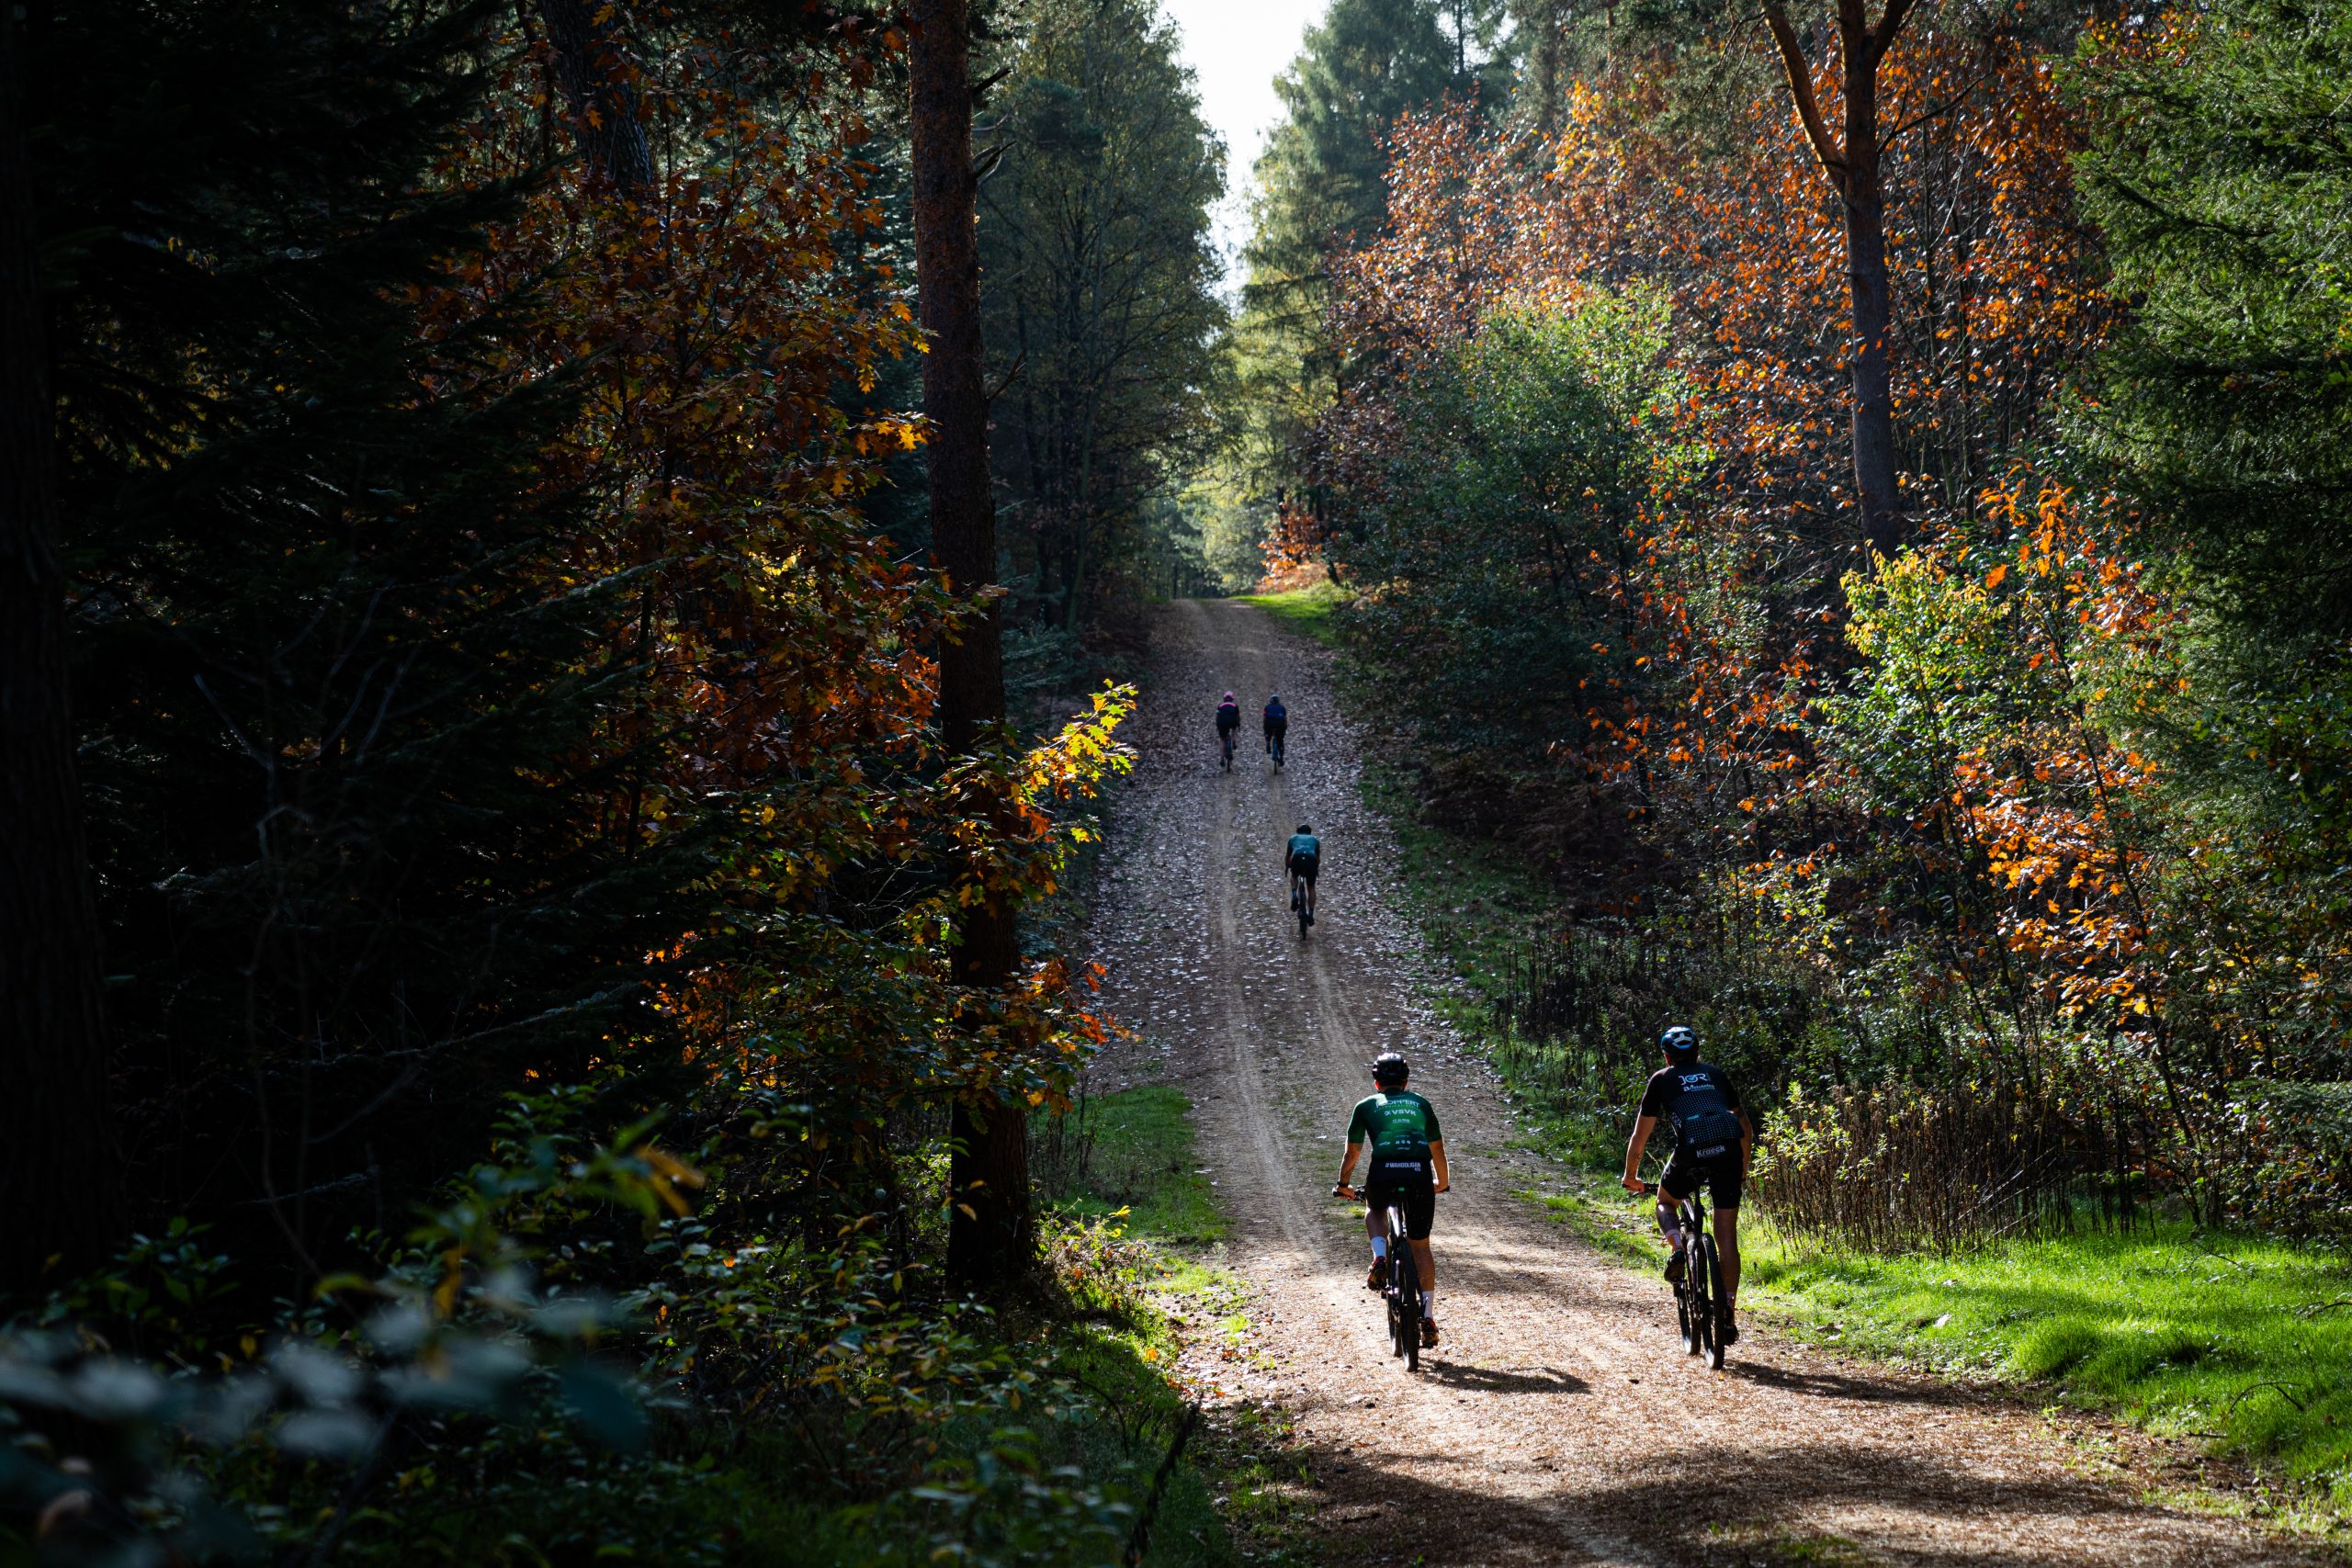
1854	173
59	1175
597	87
988	1233
1873	387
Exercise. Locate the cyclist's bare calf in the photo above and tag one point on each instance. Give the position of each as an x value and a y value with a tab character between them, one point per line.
1669	1224
1373	1228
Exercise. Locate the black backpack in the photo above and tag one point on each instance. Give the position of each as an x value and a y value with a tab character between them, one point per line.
1711	1132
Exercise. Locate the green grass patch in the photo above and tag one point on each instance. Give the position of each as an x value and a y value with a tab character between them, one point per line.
2241	1342
1132	1150
1312	610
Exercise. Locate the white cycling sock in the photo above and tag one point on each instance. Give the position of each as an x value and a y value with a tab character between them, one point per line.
1379	1249
1429	1304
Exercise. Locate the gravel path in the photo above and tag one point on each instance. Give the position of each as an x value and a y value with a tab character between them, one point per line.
1559	1422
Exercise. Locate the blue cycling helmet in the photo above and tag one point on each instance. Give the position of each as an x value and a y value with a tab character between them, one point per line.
1680	1041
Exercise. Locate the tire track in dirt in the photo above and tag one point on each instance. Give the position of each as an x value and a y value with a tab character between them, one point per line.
1559	1423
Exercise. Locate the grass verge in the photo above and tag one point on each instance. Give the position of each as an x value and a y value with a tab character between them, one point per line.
1310	610
2239	1342
1127	1160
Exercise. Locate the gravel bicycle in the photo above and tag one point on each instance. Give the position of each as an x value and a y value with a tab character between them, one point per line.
1699	1294
1275	749
1400	1283
1225	739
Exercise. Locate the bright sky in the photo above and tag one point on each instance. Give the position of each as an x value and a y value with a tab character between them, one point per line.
1237	47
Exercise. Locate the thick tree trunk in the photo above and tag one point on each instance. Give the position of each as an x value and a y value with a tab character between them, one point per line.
58	1177
989	1237
1873	387
1854	173
602	97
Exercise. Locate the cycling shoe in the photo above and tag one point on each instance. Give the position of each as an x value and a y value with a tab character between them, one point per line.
1674	1268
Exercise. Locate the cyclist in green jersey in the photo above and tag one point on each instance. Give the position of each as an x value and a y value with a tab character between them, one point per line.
1407	1169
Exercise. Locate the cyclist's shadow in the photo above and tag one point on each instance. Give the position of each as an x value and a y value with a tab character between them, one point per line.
1491	1380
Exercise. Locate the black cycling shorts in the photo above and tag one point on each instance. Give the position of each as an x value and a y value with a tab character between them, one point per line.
1304	865
1416	1194
1721	1174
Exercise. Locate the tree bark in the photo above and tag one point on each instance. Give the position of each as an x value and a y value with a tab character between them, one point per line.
60	1195
990	1234
597	88
1854	171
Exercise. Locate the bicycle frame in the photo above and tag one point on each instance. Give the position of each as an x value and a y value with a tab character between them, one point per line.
1400	1290
1698	1299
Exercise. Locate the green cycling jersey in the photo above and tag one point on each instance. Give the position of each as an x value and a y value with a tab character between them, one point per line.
1400	1126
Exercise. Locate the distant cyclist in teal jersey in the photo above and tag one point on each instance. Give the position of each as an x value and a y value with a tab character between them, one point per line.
1407	1171
1302	857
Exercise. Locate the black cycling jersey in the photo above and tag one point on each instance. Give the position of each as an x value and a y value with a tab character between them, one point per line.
1700	1104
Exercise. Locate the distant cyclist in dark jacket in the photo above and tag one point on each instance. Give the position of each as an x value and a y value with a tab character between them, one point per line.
1712	1142
1228	720
1277	727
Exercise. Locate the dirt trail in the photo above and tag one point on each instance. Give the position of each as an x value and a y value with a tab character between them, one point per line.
1559	1422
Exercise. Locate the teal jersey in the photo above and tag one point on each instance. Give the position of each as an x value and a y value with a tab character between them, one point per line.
1306	845
1401	1125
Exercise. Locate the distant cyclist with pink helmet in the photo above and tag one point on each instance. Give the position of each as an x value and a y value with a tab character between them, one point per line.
1229	725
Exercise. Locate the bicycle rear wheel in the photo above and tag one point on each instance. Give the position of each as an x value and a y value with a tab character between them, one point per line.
1715	1314
1707	1275
1697	1310
1408	1306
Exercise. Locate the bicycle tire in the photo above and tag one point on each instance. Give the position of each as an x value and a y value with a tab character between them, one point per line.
1303	918
1710	1273
1408	1306
1694	1282
1715	1347
1683	1315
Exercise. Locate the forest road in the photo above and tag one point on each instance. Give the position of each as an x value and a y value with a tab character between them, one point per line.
1559	1422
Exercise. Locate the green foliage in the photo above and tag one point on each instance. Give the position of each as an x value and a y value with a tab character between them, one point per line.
2220	176
1517	469
1100	308
1129	1156
1321	185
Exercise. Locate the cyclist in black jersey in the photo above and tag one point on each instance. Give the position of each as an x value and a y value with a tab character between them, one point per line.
1712	1143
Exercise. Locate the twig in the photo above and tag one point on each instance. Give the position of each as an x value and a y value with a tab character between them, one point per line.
1141	1534
2279	1389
